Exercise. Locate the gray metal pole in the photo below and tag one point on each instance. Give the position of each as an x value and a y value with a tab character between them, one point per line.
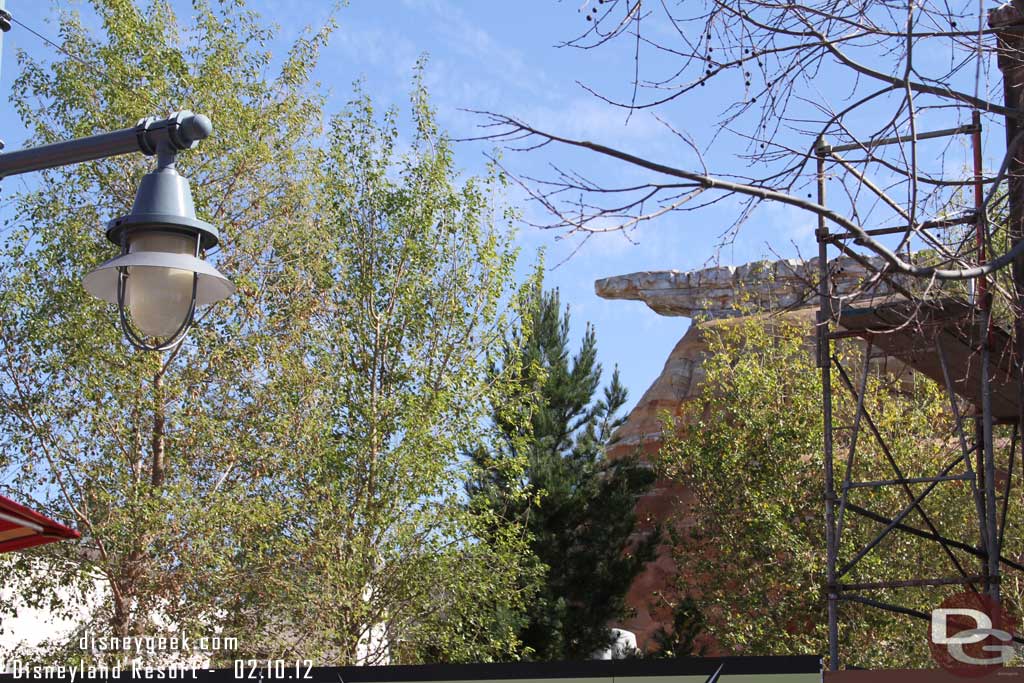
993	549
178	132
825	364
71	152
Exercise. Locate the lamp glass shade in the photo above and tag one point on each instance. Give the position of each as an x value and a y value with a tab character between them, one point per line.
158	298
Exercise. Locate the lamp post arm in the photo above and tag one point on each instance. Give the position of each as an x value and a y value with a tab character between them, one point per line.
180	131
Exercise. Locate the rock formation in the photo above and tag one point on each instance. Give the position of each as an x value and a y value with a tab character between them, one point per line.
710	296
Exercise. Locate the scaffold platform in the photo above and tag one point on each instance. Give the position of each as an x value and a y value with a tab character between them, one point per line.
926	334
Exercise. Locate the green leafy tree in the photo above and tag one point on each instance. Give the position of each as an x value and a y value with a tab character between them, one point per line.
156	459
289	476
750	449
407	283
580	514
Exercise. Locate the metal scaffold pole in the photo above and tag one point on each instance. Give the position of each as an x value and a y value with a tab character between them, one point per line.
825	364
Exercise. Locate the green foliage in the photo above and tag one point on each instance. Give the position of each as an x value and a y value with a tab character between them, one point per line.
156	460
751	451
681	638
291	474
580	516
407	279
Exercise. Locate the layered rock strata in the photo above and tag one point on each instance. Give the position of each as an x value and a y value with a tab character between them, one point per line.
731	291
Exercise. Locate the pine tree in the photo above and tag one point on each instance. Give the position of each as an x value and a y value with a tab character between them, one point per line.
580	511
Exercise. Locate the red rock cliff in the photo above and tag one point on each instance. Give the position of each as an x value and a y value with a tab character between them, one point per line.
711	296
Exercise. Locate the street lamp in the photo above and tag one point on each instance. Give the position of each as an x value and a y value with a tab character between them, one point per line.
160	276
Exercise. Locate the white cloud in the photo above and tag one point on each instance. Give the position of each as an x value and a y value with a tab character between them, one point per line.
385	49
465	38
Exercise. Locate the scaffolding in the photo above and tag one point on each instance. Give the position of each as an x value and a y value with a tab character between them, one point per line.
950	338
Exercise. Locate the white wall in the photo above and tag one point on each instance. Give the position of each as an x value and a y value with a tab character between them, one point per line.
22	634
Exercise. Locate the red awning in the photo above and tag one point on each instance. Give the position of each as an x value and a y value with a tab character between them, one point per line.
22	528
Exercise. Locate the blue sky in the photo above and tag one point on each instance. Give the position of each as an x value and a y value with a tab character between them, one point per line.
504	56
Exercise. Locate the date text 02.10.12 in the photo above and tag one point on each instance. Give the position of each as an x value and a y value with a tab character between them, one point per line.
273	669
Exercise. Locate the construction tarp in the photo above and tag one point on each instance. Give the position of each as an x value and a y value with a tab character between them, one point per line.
23	528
